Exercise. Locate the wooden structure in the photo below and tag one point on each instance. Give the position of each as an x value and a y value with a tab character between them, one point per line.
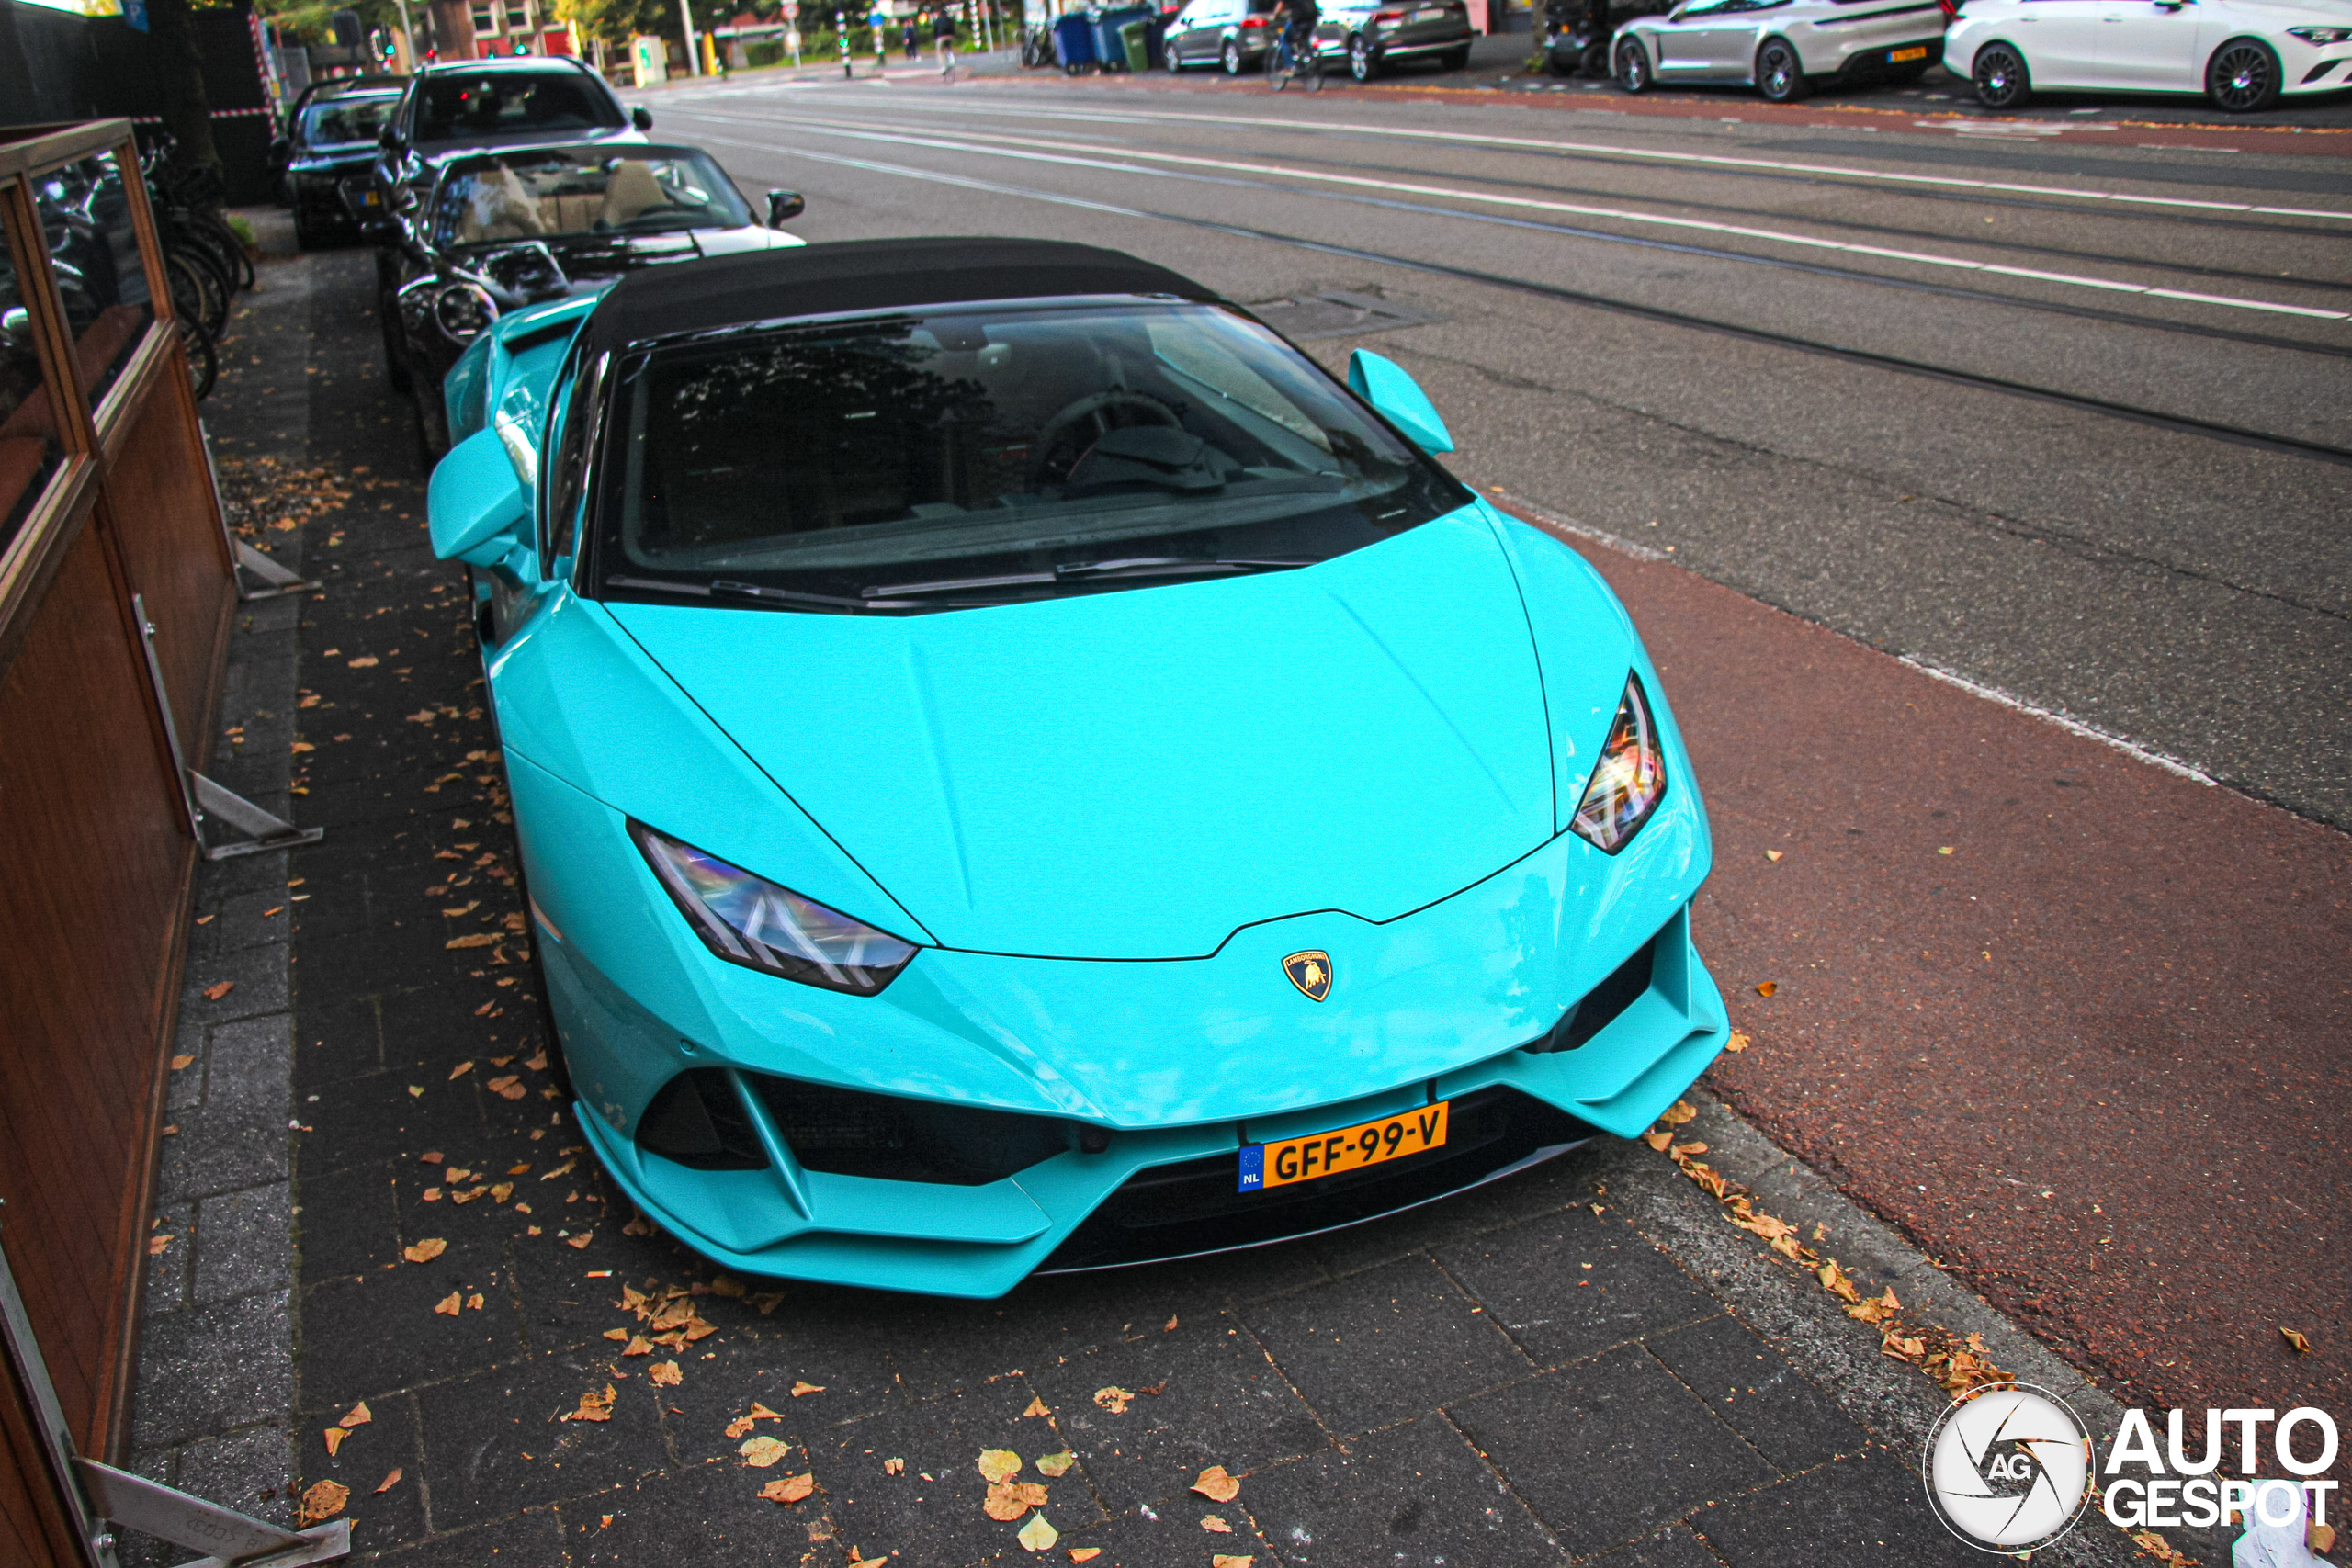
106	499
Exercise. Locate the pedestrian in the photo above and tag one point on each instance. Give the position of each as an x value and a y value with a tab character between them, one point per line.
910	38
942	38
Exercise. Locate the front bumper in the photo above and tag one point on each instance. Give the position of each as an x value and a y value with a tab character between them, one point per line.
1160	1071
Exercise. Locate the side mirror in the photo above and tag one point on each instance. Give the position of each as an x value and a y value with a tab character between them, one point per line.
784	206
381	232
476	504
641	117
1383	384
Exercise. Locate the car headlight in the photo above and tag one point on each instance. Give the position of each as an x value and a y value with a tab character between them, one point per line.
464	310
750	920
1628	781
2321	35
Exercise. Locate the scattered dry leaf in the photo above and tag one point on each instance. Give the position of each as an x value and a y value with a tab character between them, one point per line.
365	662
1216	1486
334	1435
1772	854
1214	1525
638	1345
666	1373
156	1244
2301	1342
1684	1151
894	1467
1038	1535
508	1088
1737	1043
762	1453
1658	1140
619	1334
762	1413
324	1500
1675	1114
218	990
390	1481
1008	1500
182	1061
791	1489
999	1464
478	939
582	1239
1766	987
1036	1407
1114	1399
1084	1553
460	1070
725	1285
1055	1465
358	1415
598	1406
1222	1561
448	1305
801	1388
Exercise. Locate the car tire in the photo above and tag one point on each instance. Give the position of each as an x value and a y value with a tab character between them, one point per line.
1633	65
431	423
1363	61
1458	61
2000	77
1780	75
1230	57
2243	76
1594	62
1167	60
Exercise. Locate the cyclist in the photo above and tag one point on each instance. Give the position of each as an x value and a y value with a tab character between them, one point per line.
1299	20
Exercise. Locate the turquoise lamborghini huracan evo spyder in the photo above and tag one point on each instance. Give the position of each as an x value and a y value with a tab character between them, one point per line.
1018	767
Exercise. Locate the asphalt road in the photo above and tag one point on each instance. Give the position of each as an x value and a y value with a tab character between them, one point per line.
2070	423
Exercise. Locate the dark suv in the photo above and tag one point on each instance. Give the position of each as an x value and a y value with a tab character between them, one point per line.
486	104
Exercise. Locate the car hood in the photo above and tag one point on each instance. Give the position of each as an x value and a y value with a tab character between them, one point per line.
1140	773
572	265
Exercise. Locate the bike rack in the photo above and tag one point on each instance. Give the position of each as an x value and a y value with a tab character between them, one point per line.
198	795
275	581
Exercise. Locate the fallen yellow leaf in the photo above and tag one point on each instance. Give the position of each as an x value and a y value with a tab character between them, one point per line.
324	1500
1766	987
1038	1535
508	1088
595	1407
1772	854
762	1453
999	1464
2301	1342
666	1373
638	1345
1216	1486
218	990
334	1435
1084	1553
582	1239
791	1489
448	1305
1658	1140
1036	1407
358	1415
460	1070
1214	1525
1737	1043
1055	1465
801	1388
390	1481
1222	1561
156	1244
179	1062
1684	1151
1679	1112
894	1467
1008	1500
1114	1399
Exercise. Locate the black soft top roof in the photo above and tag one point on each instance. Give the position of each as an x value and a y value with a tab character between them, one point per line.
864	274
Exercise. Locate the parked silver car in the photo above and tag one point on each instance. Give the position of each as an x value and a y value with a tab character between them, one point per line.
1784	48
1233	34
1372	34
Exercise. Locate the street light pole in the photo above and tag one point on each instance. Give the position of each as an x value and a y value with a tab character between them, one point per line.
694	45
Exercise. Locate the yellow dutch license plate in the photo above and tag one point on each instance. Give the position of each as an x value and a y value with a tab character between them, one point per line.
1900	55
1349	1148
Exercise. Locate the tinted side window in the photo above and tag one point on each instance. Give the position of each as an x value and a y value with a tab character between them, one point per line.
567	484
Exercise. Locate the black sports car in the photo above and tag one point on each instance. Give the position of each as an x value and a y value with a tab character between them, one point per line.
500	231
328	155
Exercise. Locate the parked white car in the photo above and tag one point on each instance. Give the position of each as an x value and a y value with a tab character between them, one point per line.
1785	47
2242	54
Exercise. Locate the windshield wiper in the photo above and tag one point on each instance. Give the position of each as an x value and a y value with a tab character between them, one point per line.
1088	571
783	598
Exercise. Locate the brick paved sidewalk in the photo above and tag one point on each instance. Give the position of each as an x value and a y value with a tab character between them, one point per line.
1521	1375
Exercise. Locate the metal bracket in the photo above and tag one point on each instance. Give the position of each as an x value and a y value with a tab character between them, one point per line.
153	1508
277	580
198	795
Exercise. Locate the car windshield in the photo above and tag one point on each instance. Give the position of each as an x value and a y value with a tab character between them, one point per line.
504	103
550	191
989	453
340	122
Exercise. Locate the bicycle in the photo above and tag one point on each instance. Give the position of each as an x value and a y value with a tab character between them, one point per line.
1285	63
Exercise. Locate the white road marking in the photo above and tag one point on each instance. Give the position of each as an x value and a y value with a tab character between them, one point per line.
1021	147
1656	154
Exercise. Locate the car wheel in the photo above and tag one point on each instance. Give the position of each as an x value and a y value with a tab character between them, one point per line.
1362	64
1232	58
431	423
1780	75
1458	61
1167	60
1594	62
395	352
2000	77
2243	76
1632	66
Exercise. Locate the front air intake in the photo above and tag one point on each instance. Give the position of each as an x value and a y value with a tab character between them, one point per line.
846	1132
696	1121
